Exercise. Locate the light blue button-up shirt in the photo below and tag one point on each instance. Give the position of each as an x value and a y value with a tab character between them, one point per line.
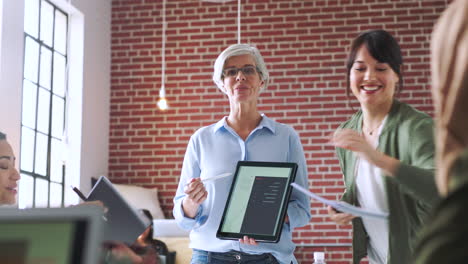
216	149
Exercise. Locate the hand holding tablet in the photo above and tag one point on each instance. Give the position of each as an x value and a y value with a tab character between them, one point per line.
124	223
248	241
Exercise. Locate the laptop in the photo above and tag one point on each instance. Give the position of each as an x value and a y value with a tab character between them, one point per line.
51	235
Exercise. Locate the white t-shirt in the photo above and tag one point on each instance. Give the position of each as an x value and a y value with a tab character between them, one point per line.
371	195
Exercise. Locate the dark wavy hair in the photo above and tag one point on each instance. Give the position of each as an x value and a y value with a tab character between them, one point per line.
383	47
2	136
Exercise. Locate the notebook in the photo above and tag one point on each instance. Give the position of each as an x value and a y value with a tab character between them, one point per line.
51	235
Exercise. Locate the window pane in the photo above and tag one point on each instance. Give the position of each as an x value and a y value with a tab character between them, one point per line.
43	111
55	195
46	67
56	161
26	191
59	75
43	104
47	25
58	111
42	193
41	154
31	17
27	147
29	104
31	60
60	38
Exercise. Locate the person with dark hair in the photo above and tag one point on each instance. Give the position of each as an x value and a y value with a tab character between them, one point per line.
245	134
386	154
444	238
9	175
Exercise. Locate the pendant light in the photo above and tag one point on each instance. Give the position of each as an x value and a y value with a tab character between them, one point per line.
162	102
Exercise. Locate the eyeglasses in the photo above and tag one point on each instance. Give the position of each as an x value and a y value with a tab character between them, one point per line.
246	70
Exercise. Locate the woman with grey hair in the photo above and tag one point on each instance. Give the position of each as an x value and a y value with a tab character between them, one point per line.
245	134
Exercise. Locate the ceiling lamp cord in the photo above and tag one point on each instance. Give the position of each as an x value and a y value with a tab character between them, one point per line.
162	102
238	21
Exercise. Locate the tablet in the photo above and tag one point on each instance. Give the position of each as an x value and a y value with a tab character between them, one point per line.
257	201
123	222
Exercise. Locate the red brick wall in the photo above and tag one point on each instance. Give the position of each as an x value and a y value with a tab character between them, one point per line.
304	43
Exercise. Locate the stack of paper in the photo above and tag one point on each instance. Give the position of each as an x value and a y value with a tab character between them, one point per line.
342	206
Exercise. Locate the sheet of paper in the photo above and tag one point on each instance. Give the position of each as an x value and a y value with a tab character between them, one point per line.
342	206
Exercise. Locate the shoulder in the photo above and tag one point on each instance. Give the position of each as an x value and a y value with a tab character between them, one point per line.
276	127
407	109
284	127
205	131
406	116
353	122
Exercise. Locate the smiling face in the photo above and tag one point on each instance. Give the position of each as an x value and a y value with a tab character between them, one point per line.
372	82
242	87
9	176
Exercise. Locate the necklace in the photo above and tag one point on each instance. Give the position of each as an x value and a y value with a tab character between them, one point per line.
370	132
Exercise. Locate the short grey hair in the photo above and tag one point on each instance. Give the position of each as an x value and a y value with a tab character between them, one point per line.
2	136
236	50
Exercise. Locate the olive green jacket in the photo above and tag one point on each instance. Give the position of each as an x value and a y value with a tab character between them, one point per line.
407	136
444	238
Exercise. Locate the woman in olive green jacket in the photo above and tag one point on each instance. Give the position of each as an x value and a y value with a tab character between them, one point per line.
386	153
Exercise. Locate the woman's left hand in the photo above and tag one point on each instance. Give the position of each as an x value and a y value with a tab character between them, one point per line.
248	241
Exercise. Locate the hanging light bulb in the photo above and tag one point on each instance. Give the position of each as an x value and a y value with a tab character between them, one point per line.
162	102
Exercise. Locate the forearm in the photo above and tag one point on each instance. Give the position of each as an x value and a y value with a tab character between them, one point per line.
298	215
388	164
418	181
182	220
190	209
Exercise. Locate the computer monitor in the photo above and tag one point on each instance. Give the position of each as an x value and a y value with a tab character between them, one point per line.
51	235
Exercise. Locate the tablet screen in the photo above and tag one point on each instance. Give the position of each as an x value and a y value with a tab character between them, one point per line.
257	201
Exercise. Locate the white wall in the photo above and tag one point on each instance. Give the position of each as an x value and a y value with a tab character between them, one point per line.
96	89
11	71
94	130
